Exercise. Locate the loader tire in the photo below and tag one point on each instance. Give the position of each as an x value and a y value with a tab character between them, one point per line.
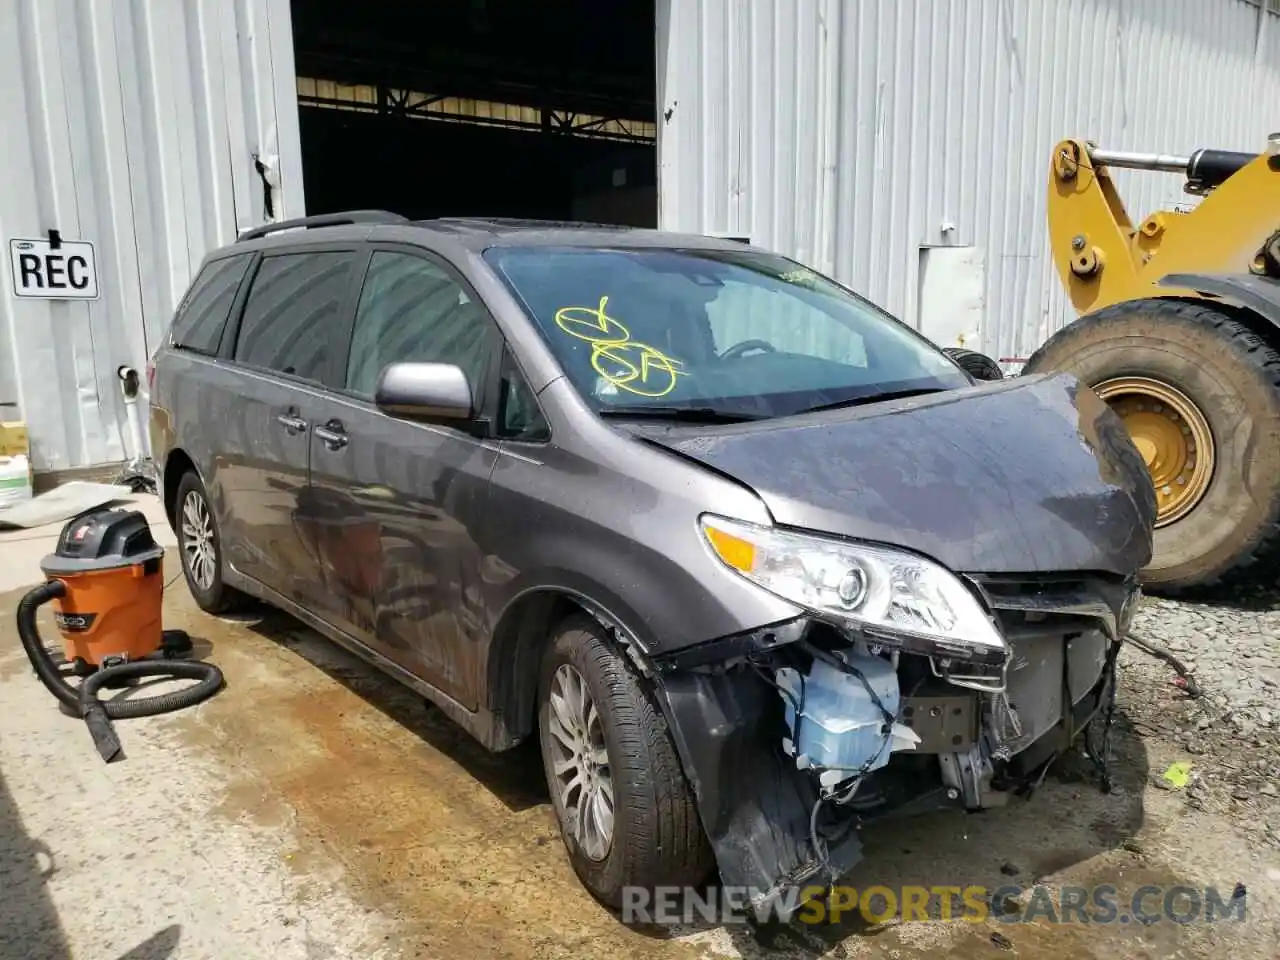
1232	376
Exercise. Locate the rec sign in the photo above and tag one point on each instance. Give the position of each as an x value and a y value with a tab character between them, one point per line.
41	271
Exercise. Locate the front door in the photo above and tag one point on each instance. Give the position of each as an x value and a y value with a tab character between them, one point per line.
397	503
281	362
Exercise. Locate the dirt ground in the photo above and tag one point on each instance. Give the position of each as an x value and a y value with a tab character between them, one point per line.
316	809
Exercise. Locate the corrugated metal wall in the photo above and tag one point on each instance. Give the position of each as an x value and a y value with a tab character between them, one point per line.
132	124
851	133
848	133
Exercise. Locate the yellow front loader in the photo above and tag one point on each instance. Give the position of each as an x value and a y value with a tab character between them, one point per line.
1179	331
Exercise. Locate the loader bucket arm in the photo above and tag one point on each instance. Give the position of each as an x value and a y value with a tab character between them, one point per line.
1104	259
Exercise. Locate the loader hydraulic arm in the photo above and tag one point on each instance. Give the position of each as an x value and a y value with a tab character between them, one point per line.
1104	259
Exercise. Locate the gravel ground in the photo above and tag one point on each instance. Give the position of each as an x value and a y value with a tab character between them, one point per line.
1231	732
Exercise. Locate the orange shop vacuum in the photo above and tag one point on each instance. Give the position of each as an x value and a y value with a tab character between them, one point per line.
106	582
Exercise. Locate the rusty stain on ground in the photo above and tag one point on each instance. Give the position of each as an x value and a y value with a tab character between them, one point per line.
459	847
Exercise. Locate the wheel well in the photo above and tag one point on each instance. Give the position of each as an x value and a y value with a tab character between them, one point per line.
515	656
1264	327
176	464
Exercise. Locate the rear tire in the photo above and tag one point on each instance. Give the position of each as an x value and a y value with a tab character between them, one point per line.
657	838
193	513
1233	377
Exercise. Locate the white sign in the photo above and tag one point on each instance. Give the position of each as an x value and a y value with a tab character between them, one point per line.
40	272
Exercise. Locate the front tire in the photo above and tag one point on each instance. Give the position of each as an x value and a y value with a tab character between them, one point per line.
626	812
200	548
1150	359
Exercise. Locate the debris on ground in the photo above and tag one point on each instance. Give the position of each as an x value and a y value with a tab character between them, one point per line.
65	501
1184	679
1230	649
1178	773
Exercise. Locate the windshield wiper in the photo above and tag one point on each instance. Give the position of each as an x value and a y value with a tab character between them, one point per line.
656	411
872	398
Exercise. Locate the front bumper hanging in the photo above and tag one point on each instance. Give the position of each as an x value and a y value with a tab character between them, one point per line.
771	835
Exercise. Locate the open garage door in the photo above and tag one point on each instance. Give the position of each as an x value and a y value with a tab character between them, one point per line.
479	108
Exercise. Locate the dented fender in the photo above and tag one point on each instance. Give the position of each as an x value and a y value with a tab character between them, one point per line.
755	807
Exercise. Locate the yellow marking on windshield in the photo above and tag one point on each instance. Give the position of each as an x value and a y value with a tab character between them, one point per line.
625	363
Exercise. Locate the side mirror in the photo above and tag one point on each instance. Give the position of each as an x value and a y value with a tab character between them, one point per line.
429	392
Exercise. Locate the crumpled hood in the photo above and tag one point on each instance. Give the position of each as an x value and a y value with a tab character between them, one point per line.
1029	475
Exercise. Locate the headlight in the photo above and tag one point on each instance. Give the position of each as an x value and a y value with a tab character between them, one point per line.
889	593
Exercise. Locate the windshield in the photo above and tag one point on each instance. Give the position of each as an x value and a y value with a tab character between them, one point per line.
742	333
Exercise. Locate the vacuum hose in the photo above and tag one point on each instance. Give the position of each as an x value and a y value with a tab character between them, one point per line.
98	714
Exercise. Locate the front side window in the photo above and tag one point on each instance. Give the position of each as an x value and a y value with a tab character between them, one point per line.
200	318
519	416
740	332
293	314
411	310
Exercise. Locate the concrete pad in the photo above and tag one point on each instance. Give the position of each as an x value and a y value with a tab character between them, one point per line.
134	859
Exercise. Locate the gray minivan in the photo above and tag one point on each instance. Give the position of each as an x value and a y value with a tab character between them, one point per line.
755	561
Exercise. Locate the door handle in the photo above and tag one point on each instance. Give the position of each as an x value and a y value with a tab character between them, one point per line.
291	422
333	434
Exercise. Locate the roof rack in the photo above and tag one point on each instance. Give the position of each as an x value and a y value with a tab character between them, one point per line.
323	220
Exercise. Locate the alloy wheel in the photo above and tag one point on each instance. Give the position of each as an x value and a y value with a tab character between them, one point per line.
198	549
582	778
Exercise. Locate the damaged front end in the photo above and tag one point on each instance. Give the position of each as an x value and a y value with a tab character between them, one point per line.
796	735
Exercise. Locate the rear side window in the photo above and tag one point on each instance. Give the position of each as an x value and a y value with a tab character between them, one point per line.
202	315
293	313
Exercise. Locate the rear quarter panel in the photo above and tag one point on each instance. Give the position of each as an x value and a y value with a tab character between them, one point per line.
194	401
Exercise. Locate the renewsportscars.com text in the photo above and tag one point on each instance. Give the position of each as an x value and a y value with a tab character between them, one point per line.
1102	904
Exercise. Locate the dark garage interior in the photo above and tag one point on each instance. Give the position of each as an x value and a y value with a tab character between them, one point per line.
479	108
